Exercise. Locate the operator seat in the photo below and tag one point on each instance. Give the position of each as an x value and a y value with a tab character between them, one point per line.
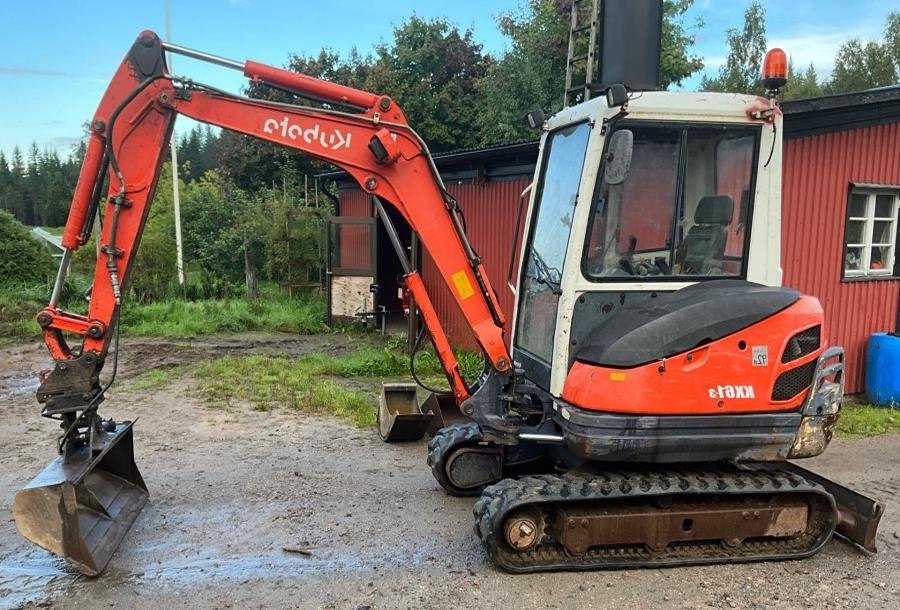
703	249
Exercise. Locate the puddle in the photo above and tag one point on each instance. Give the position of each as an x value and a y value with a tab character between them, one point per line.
32	579
38	576
20	383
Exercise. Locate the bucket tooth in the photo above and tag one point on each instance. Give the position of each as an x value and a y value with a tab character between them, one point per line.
81	506
399	416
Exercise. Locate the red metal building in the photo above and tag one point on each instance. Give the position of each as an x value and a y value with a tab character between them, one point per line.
840	226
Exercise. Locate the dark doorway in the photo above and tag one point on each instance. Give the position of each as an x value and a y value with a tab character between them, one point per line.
388	271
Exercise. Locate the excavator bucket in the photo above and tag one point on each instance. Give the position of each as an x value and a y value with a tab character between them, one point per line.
445	410
82	504
399	416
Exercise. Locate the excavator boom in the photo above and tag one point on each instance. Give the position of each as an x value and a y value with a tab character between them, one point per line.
85	501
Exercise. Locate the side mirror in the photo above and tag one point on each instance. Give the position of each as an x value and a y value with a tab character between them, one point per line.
618	156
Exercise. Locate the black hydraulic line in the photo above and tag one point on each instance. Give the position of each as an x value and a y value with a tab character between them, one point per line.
392	235
96	195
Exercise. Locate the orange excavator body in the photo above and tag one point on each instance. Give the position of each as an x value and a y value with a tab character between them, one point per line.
692	398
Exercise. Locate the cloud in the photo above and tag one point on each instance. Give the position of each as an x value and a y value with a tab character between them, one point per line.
22	71
818	46
63	144
18	71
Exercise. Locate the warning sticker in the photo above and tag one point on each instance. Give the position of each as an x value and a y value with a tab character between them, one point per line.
462	283
760	355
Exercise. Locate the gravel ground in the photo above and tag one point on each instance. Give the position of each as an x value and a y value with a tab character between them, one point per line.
230	490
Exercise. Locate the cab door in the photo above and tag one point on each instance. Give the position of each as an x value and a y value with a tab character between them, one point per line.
553	213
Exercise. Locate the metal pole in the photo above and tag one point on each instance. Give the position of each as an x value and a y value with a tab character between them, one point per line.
207	57
179	251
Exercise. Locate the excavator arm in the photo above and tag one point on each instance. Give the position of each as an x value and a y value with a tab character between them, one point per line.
84	502
367	136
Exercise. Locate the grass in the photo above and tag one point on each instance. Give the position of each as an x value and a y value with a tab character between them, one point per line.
173	318
861	419
153	380
307	383
266	381
17	315
176	318
388	362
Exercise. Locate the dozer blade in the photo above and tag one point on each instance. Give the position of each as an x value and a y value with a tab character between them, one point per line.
858	515
82	505
399	415
446	411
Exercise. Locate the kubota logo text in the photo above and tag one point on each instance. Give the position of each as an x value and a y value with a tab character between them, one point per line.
332	140
732	391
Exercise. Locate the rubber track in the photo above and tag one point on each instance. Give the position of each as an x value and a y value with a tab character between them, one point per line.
439	447
500	499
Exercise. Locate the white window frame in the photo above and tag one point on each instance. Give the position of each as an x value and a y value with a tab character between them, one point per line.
869	220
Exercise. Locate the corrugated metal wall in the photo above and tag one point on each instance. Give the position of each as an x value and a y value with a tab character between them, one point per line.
490	211
355	202
818	171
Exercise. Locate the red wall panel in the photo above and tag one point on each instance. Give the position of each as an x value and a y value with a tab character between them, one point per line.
818	171
490	210
355	202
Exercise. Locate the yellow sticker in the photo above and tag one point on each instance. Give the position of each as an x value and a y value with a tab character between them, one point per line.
463	286
617	376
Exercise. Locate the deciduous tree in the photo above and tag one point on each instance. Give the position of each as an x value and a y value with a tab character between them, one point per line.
746	48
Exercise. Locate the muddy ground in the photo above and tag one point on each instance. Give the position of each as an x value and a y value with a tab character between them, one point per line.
230	490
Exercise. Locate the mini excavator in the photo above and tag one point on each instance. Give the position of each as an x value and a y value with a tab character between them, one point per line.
656	378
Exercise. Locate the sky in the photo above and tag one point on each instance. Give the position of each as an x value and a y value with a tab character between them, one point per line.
56	56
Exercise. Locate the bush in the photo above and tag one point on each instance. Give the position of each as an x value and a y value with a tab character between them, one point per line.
23	260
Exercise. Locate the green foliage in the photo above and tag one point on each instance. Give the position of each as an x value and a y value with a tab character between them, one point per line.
676	63
37	190
746	49
862	65
18	307
431	68
23	260
858	65
801	84
860	419
153	272
532	72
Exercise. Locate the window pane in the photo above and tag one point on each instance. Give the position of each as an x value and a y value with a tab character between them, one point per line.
881	258
719	172
858	205
645	227
884	206
883	232
856	231
641	210
555	207
853	259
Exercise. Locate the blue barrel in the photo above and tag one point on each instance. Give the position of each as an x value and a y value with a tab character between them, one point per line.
883	369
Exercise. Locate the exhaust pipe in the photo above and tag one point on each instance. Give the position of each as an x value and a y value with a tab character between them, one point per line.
81	506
